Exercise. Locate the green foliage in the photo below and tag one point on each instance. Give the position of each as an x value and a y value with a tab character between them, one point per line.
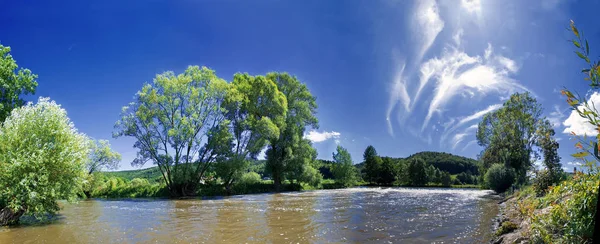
343	171
417	172
170	120
511	134
42	158
545	179
289	153
499	177
116	187
102	157
566	213
373	164
14	82
250	178
450	163
311	176
256	112
506	227
388	171
446	179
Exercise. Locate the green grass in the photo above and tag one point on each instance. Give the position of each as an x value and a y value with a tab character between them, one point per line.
151	174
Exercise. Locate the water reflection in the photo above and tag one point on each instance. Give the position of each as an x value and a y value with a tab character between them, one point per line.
357	215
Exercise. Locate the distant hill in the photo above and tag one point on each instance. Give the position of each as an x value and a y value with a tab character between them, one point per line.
451	163
448	162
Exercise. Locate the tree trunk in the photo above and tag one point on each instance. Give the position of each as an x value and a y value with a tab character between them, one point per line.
277	181
9	217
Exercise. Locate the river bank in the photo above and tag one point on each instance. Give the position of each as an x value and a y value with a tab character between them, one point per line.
563	214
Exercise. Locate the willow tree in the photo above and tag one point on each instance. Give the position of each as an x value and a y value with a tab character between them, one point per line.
288	152
42	160
255	110
172	120
14	82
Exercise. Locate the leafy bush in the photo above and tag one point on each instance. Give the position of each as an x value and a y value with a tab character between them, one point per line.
499	178
311	176
116	187
249	178
506	227
42	159
446	179
570	218
544	180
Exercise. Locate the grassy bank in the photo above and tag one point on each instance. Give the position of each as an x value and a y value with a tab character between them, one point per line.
565	214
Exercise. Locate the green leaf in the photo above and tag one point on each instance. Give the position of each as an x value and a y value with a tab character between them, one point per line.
585	70
580	55
576	43
580	154
587	47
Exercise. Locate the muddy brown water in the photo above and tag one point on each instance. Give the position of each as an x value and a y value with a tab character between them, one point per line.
355	215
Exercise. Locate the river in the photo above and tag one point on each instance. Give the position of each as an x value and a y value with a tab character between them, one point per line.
355	215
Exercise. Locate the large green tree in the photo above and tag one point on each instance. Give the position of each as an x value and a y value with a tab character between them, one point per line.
256	112
417	174
42	160
14	82
511	135
343	169
372	164
288	153
173	120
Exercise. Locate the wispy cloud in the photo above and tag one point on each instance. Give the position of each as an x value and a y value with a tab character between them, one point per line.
556	116
473	142
577	124
457	72
428	25
398	94
315	136
462	121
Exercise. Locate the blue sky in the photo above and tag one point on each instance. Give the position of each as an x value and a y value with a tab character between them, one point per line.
403	76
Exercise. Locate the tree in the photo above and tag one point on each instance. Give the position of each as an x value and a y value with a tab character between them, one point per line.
416	172
289	147
304	158
446	179
430	171
387	171
372	164
42	160
509	135
172	120
102	156
14	82
255	110
343	170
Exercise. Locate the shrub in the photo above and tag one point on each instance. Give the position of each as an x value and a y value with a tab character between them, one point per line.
311	176
543	181
570	218
249	178
446	179
499	178
506	227
42	158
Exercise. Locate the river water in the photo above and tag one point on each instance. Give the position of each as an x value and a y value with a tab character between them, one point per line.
355	215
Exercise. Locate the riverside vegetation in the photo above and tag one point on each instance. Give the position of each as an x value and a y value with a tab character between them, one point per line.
204	135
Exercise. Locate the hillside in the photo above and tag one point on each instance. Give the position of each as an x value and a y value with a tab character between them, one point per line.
451	163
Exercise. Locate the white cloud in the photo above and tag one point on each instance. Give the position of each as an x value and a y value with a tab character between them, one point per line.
474	116
316	136
457	139
556	116
428	25
457	72
469	144
575	163
457	37
577	124
398	94
472	7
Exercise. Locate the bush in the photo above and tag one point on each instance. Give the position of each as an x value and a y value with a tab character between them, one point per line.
311	176
446	179
249	178
499	178
570	218
506	227
543	181
42	159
